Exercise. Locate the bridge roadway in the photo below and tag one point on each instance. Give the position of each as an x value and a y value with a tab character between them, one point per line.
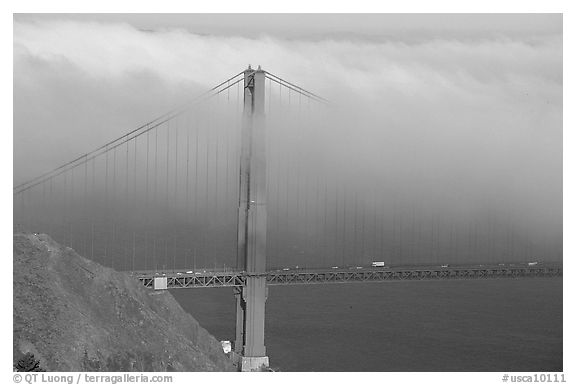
232	278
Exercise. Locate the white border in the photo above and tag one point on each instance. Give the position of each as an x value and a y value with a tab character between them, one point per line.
167	6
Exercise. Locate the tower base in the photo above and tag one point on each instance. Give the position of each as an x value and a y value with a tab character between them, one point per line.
253	364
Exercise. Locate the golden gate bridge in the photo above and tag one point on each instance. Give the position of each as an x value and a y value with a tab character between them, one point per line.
227	190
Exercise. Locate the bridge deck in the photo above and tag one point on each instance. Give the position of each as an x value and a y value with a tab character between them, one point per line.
179	280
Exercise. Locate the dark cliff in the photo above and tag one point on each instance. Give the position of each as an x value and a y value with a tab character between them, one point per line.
76	315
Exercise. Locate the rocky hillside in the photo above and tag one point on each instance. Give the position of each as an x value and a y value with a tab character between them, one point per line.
76	315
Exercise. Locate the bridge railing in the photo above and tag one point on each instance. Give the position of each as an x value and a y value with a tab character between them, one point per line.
322	276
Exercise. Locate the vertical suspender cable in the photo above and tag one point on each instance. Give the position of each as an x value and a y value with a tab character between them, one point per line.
355	242
336	228
324	250
227	201
156	200
362	230
206	213
216	164
317	209
115	203
85	246
126	210
173	252
413	239
176	162
147	202
196	238
344	248
93	191
394	242
380	215
174	240
72	210
187	211
135	204
374	210
167	196
106	205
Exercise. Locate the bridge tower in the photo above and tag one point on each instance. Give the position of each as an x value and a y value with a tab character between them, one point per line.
251	253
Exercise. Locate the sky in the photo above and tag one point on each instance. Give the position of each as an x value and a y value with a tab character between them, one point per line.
460	112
